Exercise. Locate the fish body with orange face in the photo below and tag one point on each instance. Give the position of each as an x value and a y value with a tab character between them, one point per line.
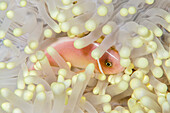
82	57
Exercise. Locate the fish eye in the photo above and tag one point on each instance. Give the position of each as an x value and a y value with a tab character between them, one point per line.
108	64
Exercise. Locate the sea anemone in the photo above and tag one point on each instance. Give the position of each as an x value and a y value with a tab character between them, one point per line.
137	30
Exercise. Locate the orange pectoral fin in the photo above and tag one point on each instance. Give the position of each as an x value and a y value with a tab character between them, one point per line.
80	71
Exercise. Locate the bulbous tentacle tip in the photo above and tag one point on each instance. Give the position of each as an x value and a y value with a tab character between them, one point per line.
96	54
78	44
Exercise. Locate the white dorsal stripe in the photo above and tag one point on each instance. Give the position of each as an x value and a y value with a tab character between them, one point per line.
106	51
